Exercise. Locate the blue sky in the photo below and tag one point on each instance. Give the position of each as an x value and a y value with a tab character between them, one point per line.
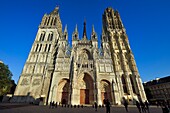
147	24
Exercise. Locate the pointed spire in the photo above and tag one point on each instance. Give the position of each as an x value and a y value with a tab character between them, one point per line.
76	29
84	30
75	34
103	37
65	30
55	11
93	30
93	34
65	34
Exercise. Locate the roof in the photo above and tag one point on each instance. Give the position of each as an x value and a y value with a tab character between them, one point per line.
158	81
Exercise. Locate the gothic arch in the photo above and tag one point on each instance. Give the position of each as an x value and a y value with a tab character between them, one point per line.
86	87
50	36
85	53
63	91
105	87
42	36
82	74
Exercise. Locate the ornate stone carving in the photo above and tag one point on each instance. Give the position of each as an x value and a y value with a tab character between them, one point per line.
36	82
25	81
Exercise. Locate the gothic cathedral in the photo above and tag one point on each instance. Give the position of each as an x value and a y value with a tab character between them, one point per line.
83	73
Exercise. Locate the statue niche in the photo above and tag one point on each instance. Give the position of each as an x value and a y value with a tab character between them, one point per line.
83	59
84	55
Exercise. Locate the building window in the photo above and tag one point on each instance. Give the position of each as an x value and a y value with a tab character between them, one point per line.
49	48
45	48
37	48
133	85
52	19
48	20
124	85
42	36
50	37
55	21
40	47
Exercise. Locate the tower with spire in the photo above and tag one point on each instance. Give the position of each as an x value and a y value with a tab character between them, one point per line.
84	73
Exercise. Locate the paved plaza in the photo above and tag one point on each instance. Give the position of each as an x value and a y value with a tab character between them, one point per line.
26	108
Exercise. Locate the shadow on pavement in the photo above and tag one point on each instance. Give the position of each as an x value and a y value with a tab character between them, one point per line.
11	106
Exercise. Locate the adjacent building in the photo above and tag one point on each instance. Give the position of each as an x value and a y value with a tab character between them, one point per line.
158	89
83	73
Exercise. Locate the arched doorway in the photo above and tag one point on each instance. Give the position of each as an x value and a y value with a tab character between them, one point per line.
86	89
63	91
105	91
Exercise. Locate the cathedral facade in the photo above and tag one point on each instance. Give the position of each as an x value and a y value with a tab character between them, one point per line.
83	73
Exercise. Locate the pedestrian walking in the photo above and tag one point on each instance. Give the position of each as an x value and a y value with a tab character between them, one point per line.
107	106
138	106
143	107
50	105
126	105
147	106
164	108
56	104
95	106
157	104
53	104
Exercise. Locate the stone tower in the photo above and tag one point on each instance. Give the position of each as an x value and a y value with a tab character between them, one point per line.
83	73
127	76
35	78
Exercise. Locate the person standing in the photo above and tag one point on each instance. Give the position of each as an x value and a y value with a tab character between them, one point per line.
107	106
50	105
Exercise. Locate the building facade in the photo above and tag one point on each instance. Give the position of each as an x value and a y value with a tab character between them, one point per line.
83	73
158	90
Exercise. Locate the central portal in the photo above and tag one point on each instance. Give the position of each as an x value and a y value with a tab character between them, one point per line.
86	89
84	96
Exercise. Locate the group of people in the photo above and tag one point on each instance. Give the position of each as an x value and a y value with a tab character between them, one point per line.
53	105
142	106
107	104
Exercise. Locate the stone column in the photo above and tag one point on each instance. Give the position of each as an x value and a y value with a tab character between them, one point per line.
99	101
94	91
121	92
115	92
141	89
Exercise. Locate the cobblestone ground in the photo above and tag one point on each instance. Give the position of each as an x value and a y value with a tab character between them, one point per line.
24	108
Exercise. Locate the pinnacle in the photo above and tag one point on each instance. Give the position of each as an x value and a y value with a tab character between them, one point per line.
84	31
55	11
65	30
93	30
76	28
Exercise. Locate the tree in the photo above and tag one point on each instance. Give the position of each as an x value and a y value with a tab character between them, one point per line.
5	79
